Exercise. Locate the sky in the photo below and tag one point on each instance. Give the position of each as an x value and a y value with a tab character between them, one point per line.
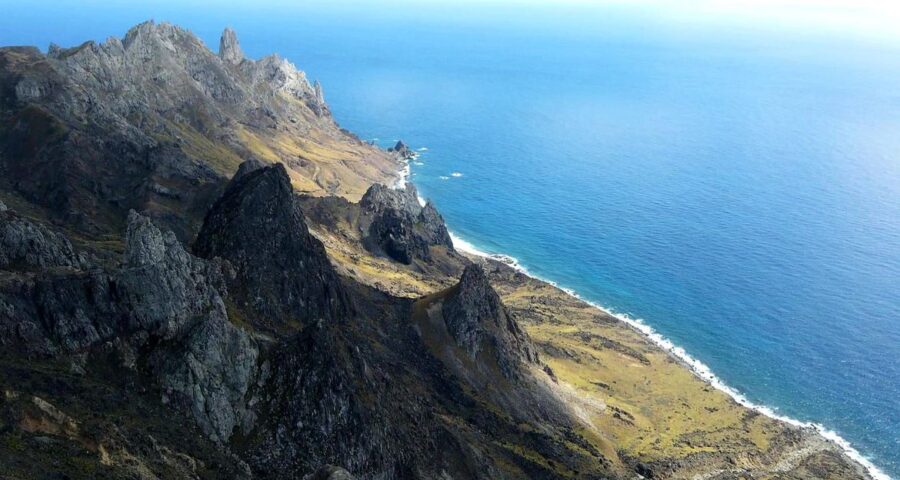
873	20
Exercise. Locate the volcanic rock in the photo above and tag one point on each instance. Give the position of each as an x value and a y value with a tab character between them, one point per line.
479	322
29	245
402	150
283	272
400	227
330	472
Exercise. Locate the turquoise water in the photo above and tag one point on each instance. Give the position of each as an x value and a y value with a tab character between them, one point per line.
738	189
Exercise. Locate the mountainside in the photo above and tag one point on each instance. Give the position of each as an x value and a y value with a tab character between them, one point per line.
202	276
157	122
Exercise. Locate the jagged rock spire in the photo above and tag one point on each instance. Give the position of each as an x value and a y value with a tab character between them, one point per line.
479	322
320	95
145	244
229	48
283	273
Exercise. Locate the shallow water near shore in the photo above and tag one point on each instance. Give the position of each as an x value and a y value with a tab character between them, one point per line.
738	191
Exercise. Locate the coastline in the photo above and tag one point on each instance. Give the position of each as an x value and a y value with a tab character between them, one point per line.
697	367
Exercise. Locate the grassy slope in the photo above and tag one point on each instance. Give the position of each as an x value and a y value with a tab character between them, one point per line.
657	409
654	410
319	159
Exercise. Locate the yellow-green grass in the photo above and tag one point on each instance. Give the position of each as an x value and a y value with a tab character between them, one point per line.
657	408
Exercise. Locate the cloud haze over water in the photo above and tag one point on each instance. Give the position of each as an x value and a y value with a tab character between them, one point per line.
871	18
868	19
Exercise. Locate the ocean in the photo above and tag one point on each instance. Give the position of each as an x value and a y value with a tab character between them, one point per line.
737	189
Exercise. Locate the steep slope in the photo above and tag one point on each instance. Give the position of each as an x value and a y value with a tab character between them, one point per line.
283	275
353	382
162	309
157	324
371	393
658	418
155	122
480	324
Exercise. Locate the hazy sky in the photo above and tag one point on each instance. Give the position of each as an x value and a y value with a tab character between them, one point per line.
870	20
882	15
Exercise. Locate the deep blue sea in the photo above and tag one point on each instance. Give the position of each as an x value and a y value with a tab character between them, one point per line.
736	188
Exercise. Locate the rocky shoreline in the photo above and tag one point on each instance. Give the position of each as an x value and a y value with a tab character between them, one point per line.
828	439
511	268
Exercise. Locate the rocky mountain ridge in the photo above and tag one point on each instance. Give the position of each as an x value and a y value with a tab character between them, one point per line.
161	320
282	273
156	122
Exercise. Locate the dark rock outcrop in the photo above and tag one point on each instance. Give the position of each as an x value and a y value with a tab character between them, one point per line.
25	244
400	227
402	150
201	359
163	309
479	322
58	314
166	289
283	273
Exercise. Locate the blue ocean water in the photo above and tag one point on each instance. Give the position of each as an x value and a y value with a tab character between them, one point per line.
738	189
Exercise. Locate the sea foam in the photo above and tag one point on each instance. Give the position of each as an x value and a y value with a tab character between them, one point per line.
697	367
403	176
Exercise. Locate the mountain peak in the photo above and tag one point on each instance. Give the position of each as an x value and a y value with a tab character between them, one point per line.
478	321
229	48
151	30
282	270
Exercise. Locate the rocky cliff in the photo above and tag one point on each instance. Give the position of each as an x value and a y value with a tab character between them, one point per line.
282	273
26	245
399	227
478	322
